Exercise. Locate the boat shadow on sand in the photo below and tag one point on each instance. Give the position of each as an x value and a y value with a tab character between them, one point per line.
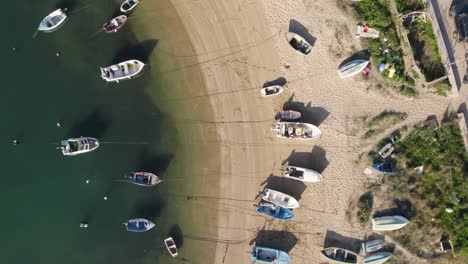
284	185
333	239
282	240
309	114
139	51
278	81
94	124
298	28
402	207
315	160
360	55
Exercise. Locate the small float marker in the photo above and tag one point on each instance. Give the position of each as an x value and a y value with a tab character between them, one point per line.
88	181
83	225
15	142
59	124
105	198
57	54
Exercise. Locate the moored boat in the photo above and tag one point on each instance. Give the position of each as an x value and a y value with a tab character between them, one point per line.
279	198
298	43
378	258
340	255
270	255
271	90
289	115
114	24
53	21
364	31
384	167
122	71
144	179
352	68
139	225
297	130
371	246
129	5
302	174
75	146
274	211
389	223
171	246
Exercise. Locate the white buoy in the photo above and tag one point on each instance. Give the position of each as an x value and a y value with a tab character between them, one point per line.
105	197
15	142
59	124
88	181
57	54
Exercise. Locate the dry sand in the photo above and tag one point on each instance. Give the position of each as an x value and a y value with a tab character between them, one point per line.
240	45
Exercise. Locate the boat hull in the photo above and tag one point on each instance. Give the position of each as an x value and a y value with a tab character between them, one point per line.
277	89
171	247
298	43
120	21
139	225
126	7
119	72
297	130
378	258
91	145
275	211
389	223
289	115
302	174
279	198
340	255
146	179
58	17
270	255
352	68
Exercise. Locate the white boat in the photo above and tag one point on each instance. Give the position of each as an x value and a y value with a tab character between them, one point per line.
302	174
298	43
139	225
272	90
171	246
371	246
363	31
386	150
122	71
352	68
340	255
279	198
297	130
389	223
53	21
144	179
114	24
129	5
378	258
289	115
75	146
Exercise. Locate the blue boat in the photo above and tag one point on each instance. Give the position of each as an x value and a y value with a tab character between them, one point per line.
270	255
275	211
387	168
139	225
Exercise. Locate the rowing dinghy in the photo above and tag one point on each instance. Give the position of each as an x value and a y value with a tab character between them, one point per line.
298	43
297	130
275	211
75	146
386	150
272	90
53	21
171	246
352	68
289	115
378	258
139	225
363	31
384	167
389	223
279	198
270	255
302	174
114	24
129	5
371	246
144	179
122	71
340	255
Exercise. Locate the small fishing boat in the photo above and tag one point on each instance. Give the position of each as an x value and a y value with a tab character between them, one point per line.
53	21
363	31
144	179
302	174
272	90
171	246
340	255
279	198
352	68
298	43
275	211
384	167
386	150
122	71
289	115
75	146
371	246
270	255
378	258
296	130
139	225
128	5
114	24
389	223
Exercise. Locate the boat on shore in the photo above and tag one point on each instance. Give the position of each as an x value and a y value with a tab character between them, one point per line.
352	68
75	146
271	90
53	21
122	71
363	31
289	115
171	246
139	225
275	211
144	179
297	130
384	167
298	43
371	246
340	255
114	24
128	5
389	223
279	198
386	150
302	174
378	258
270	255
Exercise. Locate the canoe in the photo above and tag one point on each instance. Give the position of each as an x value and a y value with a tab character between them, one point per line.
352	68
81	145
129	5
386	150
297	130
274	211
114	24
144	179
53	21
272	90
378	258
384	167
139	225
289	115
270	255
298	43
171	246
389	223
279	198
122	71
363	31
371	246
340	255
302	174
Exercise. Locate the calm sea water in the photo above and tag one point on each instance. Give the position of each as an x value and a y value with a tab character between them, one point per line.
43	195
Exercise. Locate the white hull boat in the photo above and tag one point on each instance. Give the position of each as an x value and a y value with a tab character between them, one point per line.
352	68
129	5
298	43
171	246
122	71
75	146
53	21
389	223
272	90
302	174
144	179
139	225
378	258
114	24
371	246
366	32
296	130
340	255
386	150
279	198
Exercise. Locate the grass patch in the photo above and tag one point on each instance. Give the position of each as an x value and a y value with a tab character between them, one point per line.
379	123
364	211
442	88
406	6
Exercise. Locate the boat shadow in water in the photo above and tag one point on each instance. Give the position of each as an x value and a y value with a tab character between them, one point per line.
285	185
70	5
298	28
309	114
149	207
176	233
333	239
360	55
279	81
140	51
154	162
282	240
95	125
315	160
403	207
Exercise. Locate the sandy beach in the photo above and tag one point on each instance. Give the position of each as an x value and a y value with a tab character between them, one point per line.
240	46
